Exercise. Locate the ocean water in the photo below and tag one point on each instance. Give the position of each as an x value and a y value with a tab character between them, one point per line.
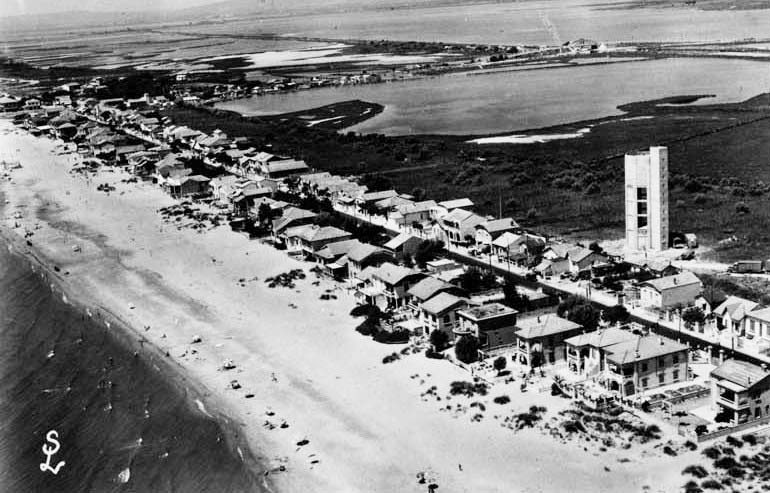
123	425
499	102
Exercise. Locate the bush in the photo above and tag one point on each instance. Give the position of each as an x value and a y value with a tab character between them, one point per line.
736	472
669	451
390	358
467	349
741	208
701	429
690	445
712	484
439	339
697	471
501	399
365	311
368	327
731	440
692	487
725	463
395	337
430	353
500	363
750	439
712	452
468	389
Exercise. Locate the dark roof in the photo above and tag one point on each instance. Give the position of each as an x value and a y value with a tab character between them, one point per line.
362	251
740	373
442	303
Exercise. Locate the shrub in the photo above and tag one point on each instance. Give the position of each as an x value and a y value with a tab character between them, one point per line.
741	208
736	472
500	363
692	487
712	452
731	440
501	399
669	451
695	470
467	349
701	429
430	353
750	439
365	311
690	445
368	328
725	463
711	484
439	339
397	336
391	358
467	388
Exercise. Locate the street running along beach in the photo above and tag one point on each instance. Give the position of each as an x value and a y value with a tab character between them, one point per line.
316	408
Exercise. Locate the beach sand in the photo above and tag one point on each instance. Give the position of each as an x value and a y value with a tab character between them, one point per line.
366	426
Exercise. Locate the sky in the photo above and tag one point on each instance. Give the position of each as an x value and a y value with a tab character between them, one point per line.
21	7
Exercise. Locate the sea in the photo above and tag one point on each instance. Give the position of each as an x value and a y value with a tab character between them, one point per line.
125	419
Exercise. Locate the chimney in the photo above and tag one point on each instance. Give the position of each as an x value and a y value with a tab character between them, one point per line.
538	319
676	281
660	340
637	354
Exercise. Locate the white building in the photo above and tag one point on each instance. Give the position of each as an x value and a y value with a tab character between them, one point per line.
647	199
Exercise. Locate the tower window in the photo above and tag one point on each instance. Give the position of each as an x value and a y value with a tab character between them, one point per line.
641	193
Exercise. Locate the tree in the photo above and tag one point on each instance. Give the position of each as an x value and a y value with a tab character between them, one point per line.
513	298
428	250
615	314
264	213
580	311
594	247
439	339
692	316
500	364
418	194
475	280
467	349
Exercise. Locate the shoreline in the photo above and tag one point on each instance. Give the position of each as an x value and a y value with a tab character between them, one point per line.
353	424
199	398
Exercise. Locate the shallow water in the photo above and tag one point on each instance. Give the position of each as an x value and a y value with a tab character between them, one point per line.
119	417
499	102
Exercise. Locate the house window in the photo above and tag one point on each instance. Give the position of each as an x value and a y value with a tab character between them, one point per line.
641	208
641	193
661	378
641	222
644	383
446	319
676	375
644	368
662	361
675	359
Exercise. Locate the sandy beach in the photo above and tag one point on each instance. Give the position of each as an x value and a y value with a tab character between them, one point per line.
354	423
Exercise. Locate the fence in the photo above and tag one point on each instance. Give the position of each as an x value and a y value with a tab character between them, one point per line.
734	429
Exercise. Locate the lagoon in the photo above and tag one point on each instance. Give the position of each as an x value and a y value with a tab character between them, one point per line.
467	104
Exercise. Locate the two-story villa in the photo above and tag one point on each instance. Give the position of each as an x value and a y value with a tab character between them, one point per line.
543	337
740	391
493	324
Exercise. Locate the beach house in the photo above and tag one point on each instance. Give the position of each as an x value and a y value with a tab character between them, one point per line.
292	216
365	255
457	227
440	313
644	363
493	324
394	281
490	230
426	289
403	246
539	339
740	392
666	292
308	239
586	352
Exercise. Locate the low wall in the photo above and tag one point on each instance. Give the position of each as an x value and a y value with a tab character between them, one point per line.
734	429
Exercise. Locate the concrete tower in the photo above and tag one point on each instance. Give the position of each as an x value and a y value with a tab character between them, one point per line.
647	199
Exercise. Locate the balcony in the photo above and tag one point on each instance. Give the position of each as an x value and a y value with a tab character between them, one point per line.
737	404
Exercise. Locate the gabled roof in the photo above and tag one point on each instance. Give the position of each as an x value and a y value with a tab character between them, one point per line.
489	310
580	253
337	249
362	251
285	165
736	307
416	207
642	348
399	240
442	303
321	233
762	314
396	201
685	278
544	326
601	338
290	215
740	372
377	196
498	225
428	287
456	203
393	274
